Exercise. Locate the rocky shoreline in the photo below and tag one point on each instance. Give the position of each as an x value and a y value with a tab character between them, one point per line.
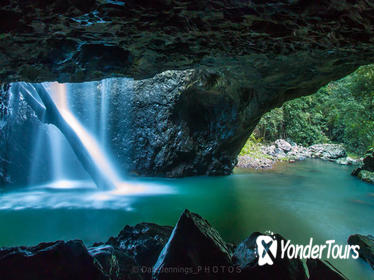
193	249
288	151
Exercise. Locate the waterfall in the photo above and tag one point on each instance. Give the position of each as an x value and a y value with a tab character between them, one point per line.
79	111
104	89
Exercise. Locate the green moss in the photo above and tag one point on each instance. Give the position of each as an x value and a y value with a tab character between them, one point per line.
253	148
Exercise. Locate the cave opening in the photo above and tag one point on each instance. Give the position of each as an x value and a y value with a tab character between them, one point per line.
217	115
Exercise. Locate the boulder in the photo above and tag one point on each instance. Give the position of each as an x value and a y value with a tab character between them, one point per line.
366	244
366	171
245	256
328	151
366	176
55	260
193	247
348	161
194	250
143	242
323	270
283	145
116	264
368	161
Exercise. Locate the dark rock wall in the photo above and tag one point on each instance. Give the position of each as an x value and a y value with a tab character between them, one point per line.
92	39
247	56
181	123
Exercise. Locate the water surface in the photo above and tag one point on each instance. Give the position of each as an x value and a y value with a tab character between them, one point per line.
301	200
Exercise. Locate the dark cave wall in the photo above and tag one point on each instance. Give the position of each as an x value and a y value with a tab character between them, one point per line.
247	57
93	39
179	123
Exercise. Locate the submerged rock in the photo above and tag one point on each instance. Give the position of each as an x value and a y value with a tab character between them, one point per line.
366	244
55	260
193	247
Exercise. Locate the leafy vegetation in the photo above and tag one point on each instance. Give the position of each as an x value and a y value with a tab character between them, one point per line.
252	147
340	112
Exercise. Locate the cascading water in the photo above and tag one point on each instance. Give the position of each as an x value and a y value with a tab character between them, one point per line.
78	104
104	100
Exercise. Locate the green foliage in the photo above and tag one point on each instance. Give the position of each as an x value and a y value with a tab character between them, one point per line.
252	146
341	112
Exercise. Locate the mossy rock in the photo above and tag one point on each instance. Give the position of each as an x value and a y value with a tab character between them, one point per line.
366	176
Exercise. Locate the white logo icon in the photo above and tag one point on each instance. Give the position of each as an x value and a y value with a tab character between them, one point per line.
266	249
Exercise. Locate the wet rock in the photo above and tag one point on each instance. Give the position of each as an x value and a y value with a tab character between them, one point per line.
323	270
366	171
245	256
366	176
143	242
194	246
348	161
194	250
368	161
115	264
54	260
181	123
366	244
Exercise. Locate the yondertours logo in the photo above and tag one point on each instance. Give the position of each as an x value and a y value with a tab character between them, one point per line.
267	247
267	250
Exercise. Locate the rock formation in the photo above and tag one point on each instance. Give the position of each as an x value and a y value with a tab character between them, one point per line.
54	260
193	247
247	57
366	171
289	45
366	247
193	250
266	155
